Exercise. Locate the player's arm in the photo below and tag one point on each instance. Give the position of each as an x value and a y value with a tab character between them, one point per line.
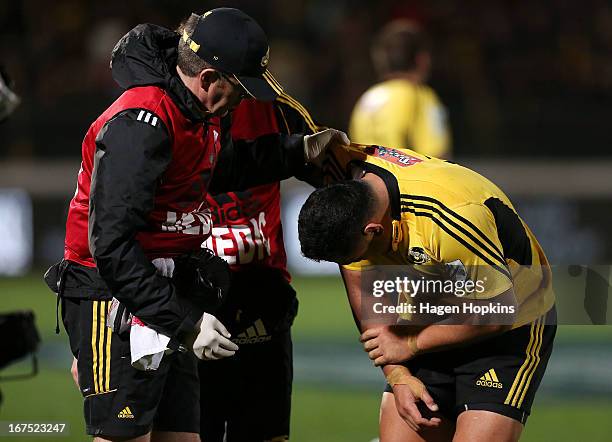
130	158
469	246
387	345
407	389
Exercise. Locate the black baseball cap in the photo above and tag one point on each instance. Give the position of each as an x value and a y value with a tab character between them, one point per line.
231	41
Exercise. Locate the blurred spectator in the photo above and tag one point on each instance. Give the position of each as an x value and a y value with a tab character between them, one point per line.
402	111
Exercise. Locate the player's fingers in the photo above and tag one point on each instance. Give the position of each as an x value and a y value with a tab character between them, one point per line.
410	423
227	344
369	334
428	400
376	353
370	345
431	423
411	415
379	361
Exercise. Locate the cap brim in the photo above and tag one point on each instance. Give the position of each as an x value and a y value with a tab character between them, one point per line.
264	88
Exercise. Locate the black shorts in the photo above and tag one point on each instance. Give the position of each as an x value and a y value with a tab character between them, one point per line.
120	400
247	397
500	374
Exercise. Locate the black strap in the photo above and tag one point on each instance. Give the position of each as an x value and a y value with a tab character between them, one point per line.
63	266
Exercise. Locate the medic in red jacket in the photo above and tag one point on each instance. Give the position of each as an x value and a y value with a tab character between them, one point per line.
147	164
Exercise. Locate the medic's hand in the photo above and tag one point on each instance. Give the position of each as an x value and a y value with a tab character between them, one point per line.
316	143
212	341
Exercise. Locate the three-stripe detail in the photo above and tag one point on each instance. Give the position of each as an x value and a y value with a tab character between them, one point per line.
490	376
522	380
147	117
458	227
101	337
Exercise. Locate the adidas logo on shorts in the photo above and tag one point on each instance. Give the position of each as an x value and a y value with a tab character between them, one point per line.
126	413
489	379
255	334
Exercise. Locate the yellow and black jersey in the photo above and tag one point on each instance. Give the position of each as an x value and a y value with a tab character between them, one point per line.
446	214
401	113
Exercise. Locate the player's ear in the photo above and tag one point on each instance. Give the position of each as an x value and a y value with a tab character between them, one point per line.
373	229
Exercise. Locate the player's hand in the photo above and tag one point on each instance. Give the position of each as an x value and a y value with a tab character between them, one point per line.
316	143
74	371
387	345
407	393
213	340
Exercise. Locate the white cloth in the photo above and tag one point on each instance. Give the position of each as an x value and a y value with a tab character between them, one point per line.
148	347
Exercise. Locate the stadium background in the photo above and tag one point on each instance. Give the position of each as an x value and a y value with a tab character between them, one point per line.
528	88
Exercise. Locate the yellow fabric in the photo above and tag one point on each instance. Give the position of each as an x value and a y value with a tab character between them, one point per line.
399	113
444	219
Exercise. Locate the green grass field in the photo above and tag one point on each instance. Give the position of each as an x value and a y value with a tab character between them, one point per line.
323	410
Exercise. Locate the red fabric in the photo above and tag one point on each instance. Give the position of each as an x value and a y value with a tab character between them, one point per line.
179	221
247	228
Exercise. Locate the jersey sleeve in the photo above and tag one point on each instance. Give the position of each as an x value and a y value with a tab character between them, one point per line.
465	243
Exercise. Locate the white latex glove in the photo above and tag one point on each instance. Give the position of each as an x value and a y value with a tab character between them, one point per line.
316	143
164	266
212	341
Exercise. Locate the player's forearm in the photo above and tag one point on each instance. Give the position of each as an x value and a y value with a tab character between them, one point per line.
441	337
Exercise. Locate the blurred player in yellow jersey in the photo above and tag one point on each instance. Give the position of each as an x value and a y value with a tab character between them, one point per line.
402	111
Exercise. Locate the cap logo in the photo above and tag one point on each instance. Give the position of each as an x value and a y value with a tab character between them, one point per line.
207	13
266	58
192	44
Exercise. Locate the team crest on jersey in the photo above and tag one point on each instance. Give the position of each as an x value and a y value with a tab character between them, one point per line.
393	156
416	255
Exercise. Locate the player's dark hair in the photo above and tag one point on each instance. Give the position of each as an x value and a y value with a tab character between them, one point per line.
332	219
396	47
187	60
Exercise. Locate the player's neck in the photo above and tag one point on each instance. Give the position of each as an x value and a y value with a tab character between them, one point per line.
381	194
381	211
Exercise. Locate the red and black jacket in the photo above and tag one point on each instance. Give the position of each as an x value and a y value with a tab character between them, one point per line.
247	230
148	163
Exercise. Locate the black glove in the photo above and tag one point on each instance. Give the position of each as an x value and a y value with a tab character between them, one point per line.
202	278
